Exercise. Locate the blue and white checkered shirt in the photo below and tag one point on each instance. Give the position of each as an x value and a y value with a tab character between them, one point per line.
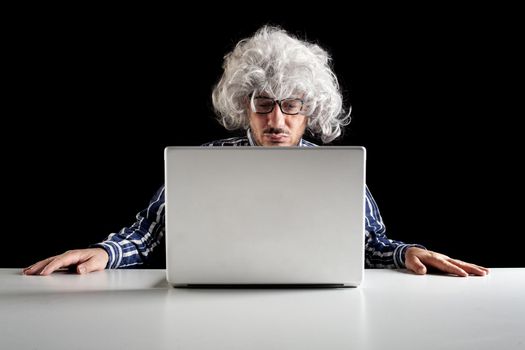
132	245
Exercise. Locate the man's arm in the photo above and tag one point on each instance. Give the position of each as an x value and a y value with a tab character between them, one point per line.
381	252
131	246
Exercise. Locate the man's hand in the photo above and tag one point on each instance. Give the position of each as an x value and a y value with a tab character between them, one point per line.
417	260
87	260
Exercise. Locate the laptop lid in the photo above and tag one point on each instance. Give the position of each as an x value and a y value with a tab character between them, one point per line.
257	215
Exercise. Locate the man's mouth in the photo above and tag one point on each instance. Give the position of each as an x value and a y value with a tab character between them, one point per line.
281	137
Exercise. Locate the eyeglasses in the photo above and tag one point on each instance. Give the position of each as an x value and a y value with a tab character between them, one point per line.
264	105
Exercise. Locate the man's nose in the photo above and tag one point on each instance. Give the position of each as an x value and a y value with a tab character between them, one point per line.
276	117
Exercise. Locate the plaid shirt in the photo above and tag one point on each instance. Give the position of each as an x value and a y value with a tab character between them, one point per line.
132	245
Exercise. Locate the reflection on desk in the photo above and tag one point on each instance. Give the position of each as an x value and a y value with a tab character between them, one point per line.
136	309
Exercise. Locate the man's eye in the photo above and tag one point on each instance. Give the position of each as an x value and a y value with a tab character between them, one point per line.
291	104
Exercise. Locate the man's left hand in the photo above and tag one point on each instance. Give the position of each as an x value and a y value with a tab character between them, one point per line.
417	260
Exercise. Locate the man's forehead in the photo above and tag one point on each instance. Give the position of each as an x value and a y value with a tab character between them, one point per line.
294	94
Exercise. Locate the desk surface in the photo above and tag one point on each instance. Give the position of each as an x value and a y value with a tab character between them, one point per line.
136	309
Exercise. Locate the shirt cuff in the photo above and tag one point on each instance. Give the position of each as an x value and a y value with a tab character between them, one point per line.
399	254
114	251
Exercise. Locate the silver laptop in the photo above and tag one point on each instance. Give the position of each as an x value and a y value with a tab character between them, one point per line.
265	216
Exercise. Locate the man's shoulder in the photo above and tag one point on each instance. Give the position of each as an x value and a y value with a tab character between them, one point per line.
305	143
244	141
232	141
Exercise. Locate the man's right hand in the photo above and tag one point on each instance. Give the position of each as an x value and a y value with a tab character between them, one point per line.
86	260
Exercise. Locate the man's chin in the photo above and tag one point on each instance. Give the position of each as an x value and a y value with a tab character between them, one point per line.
277	144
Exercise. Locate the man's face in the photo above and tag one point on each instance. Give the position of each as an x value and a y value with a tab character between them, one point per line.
276	128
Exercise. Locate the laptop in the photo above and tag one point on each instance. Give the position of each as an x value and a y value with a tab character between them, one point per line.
265	216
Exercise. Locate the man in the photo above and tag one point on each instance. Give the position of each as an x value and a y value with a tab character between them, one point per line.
275	87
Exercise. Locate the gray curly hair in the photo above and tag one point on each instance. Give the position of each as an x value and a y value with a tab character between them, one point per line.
280	65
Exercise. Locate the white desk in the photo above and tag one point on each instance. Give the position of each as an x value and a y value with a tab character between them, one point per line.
136	309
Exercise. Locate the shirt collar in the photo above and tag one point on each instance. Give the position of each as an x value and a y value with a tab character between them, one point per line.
250	137
252	142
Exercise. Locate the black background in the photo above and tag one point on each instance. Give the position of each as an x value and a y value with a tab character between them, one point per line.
93	98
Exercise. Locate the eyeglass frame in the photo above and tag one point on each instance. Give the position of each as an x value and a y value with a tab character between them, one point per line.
279	104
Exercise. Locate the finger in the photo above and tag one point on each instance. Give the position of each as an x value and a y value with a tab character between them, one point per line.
25	269
91	263
487	270
89	266
63	260
32	266
446	266
37	267
470	268
413	263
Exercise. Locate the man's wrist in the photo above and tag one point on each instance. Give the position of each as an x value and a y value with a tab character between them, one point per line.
400	254
113	251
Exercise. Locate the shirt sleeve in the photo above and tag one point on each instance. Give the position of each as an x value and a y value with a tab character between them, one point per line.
132	245
380	251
